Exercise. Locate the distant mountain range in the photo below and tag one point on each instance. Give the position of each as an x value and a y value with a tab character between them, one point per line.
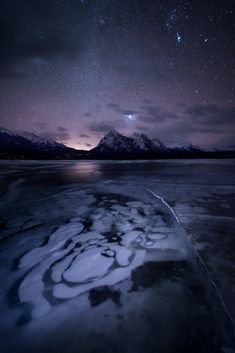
25	145
113	143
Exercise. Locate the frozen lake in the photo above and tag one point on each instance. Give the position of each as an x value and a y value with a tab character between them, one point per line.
108	256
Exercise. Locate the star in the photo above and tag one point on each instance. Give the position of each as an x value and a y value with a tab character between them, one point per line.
178	37
130	117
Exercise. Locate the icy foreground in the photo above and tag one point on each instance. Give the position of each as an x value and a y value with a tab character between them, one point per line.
93	264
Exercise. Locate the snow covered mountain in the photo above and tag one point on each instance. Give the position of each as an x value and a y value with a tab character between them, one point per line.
137	144
184	148
27	145
143	144
113	145
114	142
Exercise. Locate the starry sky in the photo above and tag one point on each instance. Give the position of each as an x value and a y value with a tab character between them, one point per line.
72	70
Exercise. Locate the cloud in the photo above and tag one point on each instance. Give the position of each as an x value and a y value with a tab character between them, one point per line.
118	109
228	140
200	124
84	136
114	107
41	126
37	30
105	126
195	121
87	114
62	129
211	114
147	101
56	136
181	105
155	114
147	119
142	128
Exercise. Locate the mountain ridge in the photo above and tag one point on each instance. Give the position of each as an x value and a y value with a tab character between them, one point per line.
24	144
136	144
113	145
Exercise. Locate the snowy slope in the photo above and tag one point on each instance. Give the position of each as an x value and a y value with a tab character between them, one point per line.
143	144
184	148
114	142
13	143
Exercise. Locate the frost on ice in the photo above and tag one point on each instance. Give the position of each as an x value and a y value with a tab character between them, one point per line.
95	260
100	246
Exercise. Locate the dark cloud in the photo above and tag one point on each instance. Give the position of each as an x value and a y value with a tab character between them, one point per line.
152	114
62	129
147	119
228	140
181	105
56	136
156	114
114	107
147	101
152	110
178	131
84	136
211	114
87	114
142	128
41	126
105	126
30	29
118	109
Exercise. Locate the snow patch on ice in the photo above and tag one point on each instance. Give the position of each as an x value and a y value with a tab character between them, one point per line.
63	291
99	246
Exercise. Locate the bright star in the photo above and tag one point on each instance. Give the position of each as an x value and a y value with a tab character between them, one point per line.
178	37
131	117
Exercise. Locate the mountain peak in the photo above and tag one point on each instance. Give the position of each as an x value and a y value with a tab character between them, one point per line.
144	143
114	142
18	144
112	133
136	135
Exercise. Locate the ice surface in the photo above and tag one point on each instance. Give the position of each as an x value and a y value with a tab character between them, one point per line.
63	291
94	249
32	286
94	262
56	241
91	259
91	264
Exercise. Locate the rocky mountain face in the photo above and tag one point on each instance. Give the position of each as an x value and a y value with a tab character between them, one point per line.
25	145
113	142
137	144
28	145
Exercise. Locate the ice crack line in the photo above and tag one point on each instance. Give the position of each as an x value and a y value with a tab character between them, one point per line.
200	259
165	203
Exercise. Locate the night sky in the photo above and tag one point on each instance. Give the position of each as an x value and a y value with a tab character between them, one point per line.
72	70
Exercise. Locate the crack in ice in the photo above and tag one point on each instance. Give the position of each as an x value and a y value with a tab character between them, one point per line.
165	203
200	259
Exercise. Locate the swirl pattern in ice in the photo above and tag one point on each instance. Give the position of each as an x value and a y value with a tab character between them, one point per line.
101	246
